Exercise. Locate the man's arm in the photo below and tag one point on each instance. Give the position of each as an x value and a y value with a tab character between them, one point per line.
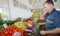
53	31
41	23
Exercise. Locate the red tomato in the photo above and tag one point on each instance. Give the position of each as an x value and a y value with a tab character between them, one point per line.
2	32
14	27
14	30
6	32
10	32
8	35
10	29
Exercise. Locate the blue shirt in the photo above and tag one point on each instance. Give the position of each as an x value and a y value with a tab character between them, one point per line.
53	20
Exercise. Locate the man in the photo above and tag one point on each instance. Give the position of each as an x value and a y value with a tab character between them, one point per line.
52	25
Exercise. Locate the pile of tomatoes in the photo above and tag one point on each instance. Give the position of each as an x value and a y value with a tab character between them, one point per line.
11	30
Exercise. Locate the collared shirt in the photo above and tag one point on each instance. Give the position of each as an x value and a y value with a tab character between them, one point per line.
53	20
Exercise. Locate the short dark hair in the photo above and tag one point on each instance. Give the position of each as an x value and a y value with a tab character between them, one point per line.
50	2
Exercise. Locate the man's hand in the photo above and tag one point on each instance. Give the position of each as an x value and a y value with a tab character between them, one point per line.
53	31
41	23
43	32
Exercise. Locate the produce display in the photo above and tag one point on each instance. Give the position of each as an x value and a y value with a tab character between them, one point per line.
11	30
20	25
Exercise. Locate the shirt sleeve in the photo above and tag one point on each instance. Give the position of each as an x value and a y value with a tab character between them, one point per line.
57	20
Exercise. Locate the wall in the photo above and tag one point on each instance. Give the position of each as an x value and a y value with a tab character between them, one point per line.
56	4
19	12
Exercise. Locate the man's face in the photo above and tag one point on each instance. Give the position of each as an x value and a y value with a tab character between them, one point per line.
48	7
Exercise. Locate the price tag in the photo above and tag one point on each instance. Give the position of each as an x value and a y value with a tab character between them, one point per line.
5	25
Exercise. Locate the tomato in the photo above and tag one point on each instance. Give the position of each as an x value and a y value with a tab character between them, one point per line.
8	35
14	30
10	29
14	27
2	32
6	32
